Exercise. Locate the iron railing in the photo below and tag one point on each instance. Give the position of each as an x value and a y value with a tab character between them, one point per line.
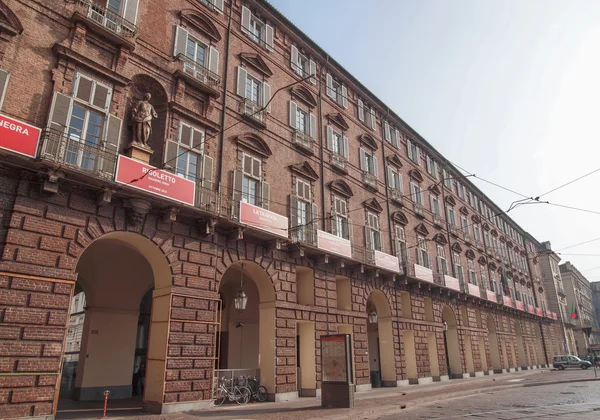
252	110
303	140
418	209
369	180
304	235
77	154
438	220
339	161
397	196
198	72
107	19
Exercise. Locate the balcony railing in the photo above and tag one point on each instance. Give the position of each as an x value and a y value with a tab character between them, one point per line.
107	19
418	208
479	245
78	155
438	220
339	162
369	180
252	111
453	230
305	235
198	73
467	237
304	141
397	196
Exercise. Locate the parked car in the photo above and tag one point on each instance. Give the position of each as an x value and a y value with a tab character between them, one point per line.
568	361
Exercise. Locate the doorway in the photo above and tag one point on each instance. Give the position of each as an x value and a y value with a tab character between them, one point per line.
451	343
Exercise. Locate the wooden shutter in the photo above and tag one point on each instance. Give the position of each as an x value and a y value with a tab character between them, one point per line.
242	75
391	182
181	37
314	215
265	196
346	151
294	58
373	121
236	196
269	32
198	140
329	84
219	6
101	97
185	134
396	139
61	109
83	88
344	96
313	126
111	144
130	12
4	76
375	167
312	70
293	211
206	182
368	243
171	152
329	138
363	160
213	60
246	14
387	132
293	111
361	110
332	223
266	96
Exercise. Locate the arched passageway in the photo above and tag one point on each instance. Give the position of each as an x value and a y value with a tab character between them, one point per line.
493	343
247	337
451	343
523	363
380	340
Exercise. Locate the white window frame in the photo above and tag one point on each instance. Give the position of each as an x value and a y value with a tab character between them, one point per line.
432	167
472	272
442	263
416	193
477	232
374	231
422	254
484	277
341	219
248	177
458	268
451	216
435	204
395	179
413	151
187	149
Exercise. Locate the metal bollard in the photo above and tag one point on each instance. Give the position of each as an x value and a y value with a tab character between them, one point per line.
105	403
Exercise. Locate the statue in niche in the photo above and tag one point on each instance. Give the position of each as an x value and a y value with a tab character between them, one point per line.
142	114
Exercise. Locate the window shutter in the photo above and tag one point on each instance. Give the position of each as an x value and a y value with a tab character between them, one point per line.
312	70
181	37
185	134
102	96
346	150
84	87
236	182
170	157
130	12
368	243
313	126
344	96
375	167
314	215
269	37
333	224
266	96
293	211
431	204
206	182
111	143
329	138
4	76
363	160
361	110
61	108
213	61
242	74
390	175
246	19
219	7
265	196
293	110
396	139
408	148
329	83
294	58
373	121
198	140
387	132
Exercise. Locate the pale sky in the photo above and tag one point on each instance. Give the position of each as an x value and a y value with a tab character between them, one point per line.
509	90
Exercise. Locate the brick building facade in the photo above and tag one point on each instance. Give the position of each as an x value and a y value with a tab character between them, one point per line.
309	194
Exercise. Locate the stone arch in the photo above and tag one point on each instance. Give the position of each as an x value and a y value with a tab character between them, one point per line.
381	337
201	23
493	343
451	342
9	20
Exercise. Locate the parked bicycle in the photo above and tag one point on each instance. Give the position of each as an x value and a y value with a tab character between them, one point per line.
258	391
231	390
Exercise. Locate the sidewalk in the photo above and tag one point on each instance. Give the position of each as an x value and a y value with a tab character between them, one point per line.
367	404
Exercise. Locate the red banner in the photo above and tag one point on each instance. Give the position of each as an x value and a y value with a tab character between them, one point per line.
539	312
473	290
491	295
262	219
507	301
548	314
530	309
520	305
19	137
452	283
387	261
334	244
554	316
144	177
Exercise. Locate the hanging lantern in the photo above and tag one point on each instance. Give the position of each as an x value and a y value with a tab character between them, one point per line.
241	299
445	326
373	317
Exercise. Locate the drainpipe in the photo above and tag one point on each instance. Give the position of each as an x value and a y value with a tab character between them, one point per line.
322	153
224	111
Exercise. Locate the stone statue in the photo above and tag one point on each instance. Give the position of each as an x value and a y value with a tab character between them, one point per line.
142	115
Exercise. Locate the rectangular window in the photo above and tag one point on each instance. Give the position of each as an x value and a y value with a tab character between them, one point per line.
460	190
253	90
337	143
477	232
458	270
394	179
413	151
302	121
435	205
252	171
451	216
442	264
494	283
447	178
374	235
472	273
432	167
400	244
190	144
483	275
464	224
196	52
422	254
486	238
340	223
416	194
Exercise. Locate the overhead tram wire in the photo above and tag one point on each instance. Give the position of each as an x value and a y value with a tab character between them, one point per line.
568	183
580	243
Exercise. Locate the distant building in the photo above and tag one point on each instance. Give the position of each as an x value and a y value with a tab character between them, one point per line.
595	336
579	304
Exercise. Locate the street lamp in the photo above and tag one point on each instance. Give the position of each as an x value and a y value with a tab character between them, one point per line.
241	299
373	317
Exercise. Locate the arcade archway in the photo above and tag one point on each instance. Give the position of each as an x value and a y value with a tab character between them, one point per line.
380	340
451	343
520	346
493	343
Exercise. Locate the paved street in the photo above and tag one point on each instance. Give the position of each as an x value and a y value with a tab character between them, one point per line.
506	396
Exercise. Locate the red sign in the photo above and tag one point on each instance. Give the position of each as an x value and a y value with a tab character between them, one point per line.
452	283
520	305
262	219
144	177
554	316
539	312
334	244
548	314
507	300
18	136
473	290
423	273
530	309
491	295
387	261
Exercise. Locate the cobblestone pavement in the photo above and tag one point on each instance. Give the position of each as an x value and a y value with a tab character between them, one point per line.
579	401
379	403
